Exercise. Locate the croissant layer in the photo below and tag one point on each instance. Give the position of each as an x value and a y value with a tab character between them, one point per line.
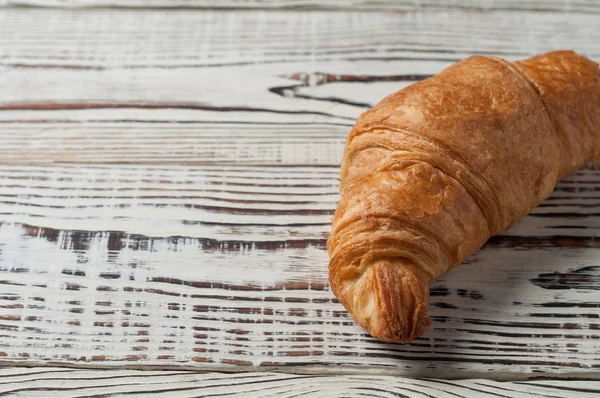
434	170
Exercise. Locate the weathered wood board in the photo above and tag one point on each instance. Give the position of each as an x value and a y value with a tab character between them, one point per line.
166	193
226	267
112	383
379	5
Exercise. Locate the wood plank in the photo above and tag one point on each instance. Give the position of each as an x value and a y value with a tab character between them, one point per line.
213	78
170	143
387	5
130	38
273	98
239	203
96	270
73	383
203	263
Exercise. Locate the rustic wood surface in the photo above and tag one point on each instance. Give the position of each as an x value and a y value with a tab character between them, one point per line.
167	180
387	5
40	382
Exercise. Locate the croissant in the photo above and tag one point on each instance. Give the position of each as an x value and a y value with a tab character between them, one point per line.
435	169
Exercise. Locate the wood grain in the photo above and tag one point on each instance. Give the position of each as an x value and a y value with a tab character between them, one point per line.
38	382
224	268
167	179
168	143
380	5
199	38
243	203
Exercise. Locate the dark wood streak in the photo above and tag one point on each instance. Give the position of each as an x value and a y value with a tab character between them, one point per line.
174	122
187	197
471	388
565	215
318	78
412	357
294	285
328	180
387	391
251	169
261	224
210	209
142	375
116	241
52	66
585	278
569	305
508	389
432	387
25	389
169	189
542	241
358	6
500	7
526	335
53	106
196	387
563	388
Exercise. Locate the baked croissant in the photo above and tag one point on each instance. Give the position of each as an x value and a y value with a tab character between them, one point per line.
434	170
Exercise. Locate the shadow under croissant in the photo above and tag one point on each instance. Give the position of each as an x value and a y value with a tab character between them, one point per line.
517	300
529	296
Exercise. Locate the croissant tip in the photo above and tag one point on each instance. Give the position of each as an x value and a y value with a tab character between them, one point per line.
390	301
416	328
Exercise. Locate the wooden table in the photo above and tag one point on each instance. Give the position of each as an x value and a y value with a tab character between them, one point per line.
167	180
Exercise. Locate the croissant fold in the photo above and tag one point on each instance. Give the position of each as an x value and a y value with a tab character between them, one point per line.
434	170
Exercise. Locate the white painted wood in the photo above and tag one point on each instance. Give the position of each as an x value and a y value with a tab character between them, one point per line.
129	38
224	267
273	142
175	74
273	94
250	204
39	382
196	89
387	5
167	180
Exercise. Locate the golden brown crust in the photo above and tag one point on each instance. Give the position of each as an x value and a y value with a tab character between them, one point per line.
569	86
432	171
